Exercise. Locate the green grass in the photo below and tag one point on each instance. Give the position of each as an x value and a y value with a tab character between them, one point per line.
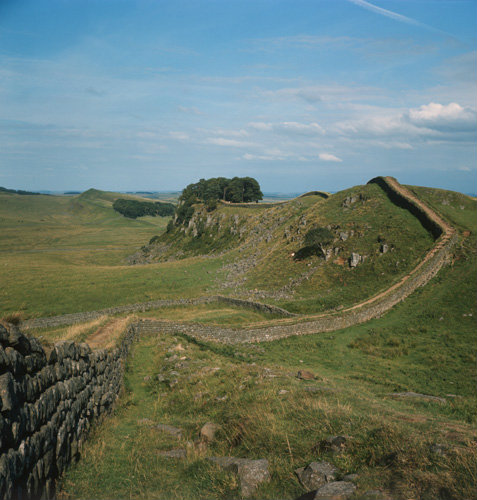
67	254
60	254
425	344
214	313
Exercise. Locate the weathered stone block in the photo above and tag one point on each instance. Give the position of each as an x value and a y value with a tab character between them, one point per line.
8	395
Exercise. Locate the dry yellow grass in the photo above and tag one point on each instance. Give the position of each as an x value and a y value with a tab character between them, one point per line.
106	336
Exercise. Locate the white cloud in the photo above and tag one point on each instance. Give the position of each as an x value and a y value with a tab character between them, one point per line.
180	136
432	121
443	117
222	141
293	128
329	157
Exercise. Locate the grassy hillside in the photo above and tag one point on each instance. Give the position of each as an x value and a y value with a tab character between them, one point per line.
68	254
59	254
259	243
406	447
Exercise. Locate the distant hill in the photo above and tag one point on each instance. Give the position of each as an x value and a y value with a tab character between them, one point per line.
16	191
374	242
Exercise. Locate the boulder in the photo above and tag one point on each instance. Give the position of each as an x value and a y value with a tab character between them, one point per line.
355	259
316	474
178	453
305	375
208	431
251	473
338	490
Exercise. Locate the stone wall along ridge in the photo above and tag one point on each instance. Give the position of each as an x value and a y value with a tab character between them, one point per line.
47	405
81	317
446	238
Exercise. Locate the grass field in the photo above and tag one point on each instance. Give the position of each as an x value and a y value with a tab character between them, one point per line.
411	448
66	254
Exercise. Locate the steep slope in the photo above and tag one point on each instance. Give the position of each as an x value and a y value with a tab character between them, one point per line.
375	243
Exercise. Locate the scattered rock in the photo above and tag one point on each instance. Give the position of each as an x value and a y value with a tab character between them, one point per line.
316	474
306	375
250	472
281	392
178	453
208	431
384	248
338	490
344	236
178	347
335	444
351	477
417	396
169	429
355	259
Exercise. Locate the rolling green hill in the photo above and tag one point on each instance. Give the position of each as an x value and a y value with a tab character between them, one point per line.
400	388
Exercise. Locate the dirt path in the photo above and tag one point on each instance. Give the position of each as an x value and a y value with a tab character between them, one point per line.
106	335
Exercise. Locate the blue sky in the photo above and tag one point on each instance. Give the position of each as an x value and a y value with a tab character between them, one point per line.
300	94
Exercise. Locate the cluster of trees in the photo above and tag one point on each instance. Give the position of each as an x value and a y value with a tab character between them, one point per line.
209	191
15	191
134	208
316	241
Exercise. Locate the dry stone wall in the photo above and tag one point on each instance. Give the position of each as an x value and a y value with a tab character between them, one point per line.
325	323
70	319
49	400
47	404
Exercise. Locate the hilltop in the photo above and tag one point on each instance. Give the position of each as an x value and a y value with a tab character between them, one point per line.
367	364
374	243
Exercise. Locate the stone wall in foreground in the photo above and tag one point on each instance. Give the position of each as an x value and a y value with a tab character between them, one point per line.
47	404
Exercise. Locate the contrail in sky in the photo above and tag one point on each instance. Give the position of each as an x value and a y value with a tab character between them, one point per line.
397	17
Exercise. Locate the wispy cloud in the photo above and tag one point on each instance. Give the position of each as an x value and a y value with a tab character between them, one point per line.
180	136
192	110
222	141
293	128
329	157
397	17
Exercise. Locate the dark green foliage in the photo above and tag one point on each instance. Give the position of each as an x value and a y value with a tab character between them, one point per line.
209	191
154	238
211	204
134	208
236	190
316	240
318	237
170	226
184	213
15	191
243	190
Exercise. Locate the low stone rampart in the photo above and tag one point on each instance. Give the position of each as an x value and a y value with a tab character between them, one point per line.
81	317
47	405
325	323
48	401
430	222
